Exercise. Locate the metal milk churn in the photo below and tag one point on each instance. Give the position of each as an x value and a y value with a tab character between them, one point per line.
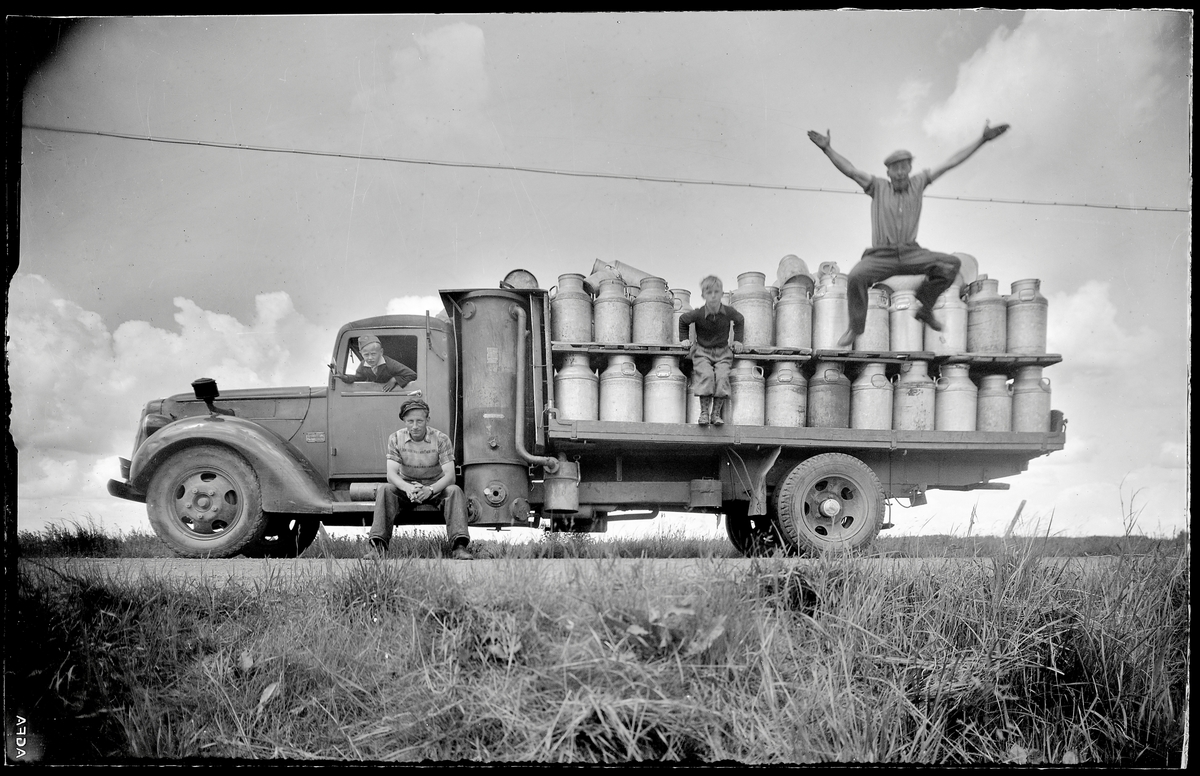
831	312
664	392
987	317
570	310
682	303
907	333
956	403
621	390
611	308
994	411
871	398
794	315
577	389
914	399
1030	400
752	299
787	395
829	396
951	312
747	394
876	335
653	313
1027	311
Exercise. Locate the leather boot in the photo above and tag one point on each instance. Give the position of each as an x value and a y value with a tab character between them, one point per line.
705	407
718	408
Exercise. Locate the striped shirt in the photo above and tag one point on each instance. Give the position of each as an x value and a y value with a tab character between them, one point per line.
421	461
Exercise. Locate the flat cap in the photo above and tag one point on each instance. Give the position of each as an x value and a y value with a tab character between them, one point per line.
367	339
413	404
898	156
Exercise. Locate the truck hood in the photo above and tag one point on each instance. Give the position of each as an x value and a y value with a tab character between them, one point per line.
281	410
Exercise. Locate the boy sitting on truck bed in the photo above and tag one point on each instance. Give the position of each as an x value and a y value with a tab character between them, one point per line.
376	367
712	354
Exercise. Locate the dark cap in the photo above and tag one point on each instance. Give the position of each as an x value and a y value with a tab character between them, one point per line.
413	404
898	156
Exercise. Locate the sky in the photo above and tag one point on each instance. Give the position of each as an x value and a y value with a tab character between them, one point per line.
143	265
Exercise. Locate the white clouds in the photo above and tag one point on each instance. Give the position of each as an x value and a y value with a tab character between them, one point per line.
414	305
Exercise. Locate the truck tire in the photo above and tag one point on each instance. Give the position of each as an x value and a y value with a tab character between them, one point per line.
831	501
287	536
753	536
204	502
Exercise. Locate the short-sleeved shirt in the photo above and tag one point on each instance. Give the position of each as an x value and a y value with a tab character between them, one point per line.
385	370
895	214
712	331
421	461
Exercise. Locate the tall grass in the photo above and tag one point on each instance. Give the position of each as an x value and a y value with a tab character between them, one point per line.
1011	658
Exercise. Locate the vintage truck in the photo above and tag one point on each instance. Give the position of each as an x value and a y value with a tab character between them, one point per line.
256	472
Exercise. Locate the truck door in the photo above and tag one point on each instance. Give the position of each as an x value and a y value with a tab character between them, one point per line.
362	415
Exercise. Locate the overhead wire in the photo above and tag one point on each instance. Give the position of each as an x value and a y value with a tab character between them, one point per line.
569	173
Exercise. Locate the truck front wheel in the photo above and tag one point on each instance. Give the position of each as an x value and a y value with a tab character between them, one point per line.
830	502
204	502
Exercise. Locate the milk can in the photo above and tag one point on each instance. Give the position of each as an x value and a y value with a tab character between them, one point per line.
951	311
987	317
653	313
907	333
794	316
611	309
621	390
1026	325
570	310
876	335
787	395
747	394
577	389
871	398
752	299
994	411
914	398
1031	400
664	394
956	401
682	303
831	313
828	396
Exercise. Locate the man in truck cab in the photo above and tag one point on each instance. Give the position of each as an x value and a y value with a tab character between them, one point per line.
420	470
376	367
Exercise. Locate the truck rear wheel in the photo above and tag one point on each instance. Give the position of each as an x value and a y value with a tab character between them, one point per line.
831	501
287	536
204	502
755	535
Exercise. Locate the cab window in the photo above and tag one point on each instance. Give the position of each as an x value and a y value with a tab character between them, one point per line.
400	347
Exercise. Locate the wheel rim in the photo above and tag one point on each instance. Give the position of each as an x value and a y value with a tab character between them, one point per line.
836	508
206	502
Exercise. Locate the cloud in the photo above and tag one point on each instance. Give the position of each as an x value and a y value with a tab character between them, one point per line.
414	305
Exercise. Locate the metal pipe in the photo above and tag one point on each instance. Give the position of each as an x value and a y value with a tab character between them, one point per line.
550	464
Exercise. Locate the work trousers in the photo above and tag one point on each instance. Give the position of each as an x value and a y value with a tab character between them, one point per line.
939	269
710	370
390	500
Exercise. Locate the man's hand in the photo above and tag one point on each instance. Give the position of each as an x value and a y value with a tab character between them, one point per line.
417	492
390	385
991	133
738	347
821	141
686	343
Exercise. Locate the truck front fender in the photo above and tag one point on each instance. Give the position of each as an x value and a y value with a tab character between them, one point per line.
287	480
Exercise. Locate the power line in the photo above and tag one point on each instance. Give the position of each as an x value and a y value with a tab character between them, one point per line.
568	173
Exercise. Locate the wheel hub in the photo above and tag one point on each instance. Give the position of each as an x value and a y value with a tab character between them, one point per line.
831	507
206	502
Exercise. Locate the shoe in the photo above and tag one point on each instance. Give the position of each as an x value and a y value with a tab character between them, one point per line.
847	339
703	419
378	551
718	408
461	553
925	316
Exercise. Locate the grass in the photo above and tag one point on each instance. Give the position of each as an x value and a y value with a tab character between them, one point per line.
1005	658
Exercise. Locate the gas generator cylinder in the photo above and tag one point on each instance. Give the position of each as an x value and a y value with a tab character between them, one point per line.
956	401
877	334
871	398
577	389
994	404
1031	400
907	333
570	310
664	392
747	394
787	396
621	390
794	315
752	299
987	317
913	398
831	312
828	396
682	303
951	312
561	488
1027	312
653	313
611	309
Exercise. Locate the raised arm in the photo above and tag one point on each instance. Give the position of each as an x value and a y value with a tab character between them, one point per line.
989	133
839	161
